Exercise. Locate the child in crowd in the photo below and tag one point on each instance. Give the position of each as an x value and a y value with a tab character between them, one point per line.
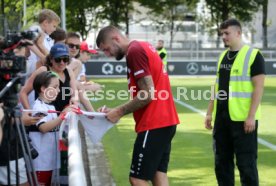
44	134
59	35
48	21
85	54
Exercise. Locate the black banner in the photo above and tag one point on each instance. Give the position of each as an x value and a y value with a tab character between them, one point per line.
175	68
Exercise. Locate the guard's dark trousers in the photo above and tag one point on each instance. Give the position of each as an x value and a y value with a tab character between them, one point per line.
229	140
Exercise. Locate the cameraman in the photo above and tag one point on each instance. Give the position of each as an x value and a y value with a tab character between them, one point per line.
10	136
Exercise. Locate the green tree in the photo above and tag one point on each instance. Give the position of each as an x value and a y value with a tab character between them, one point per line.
222	10
82	16
11	12
117	12
169	15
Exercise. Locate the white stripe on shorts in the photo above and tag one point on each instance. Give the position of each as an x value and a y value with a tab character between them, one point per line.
145	139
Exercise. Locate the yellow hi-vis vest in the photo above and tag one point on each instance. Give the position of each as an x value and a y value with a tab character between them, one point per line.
240	85
163	50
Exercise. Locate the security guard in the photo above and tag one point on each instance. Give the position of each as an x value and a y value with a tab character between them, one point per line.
236	108
162	53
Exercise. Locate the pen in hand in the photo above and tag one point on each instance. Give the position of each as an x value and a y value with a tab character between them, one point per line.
103	108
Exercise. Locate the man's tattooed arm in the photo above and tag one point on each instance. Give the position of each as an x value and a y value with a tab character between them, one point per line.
143	98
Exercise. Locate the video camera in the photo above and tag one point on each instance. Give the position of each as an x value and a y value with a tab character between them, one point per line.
11	65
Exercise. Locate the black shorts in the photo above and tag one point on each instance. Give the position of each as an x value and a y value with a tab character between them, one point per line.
151	152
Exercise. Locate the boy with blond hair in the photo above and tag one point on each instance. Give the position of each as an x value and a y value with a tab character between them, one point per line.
48	21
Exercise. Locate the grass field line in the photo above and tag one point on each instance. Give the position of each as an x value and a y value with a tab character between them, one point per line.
260	140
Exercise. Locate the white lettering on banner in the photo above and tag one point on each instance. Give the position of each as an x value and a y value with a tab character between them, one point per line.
107	68
206	68
120	68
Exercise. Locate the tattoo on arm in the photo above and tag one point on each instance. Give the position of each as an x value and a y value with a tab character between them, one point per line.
143	97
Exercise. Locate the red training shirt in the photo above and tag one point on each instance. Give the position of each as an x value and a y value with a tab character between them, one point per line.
143	60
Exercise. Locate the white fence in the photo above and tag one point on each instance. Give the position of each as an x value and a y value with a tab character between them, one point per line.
76	166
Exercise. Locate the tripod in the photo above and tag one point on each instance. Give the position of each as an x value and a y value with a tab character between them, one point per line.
13	121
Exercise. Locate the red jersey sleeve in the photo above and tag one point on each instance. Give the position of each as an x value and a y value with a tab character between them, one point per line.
137	61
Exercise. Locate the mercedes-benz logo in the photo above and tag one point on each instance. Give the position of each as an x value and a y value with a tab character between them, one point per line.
192	68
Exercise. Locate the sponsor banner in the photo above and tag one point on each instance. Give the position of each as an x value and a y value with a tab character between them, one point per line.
102	68
177	68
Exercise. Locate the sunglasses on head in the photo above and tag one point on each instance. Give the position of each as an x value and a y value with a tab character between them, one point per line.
65	59
70	45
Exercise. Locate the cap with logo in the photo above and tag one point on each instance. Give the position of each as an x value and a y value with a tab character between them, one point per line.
84	47
58	50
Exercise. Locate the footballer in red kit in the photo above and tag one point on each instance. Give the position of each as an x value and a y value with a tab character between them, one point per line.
151	103
143	60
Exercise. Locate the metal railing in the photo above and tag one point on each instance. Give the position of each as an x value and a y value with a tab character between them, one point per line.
209	54
193	54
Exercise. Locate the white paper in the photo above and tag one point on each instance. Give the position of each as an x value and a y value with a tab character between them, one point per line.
98	114
95	127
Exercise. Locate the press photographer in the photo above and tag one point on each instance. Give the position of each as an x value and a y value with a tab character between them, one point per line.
13	52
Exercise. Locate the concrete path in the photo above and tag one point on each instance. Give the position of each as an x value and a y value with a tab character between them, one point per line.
99	169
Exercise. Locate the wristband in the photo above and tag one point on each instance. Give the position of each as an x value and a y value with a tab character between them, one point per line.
62	115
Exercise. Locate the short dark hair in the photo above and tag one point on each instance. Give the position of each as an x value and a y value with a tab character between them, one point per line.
104	32
72	35
230	22
43	79
58	35
161	41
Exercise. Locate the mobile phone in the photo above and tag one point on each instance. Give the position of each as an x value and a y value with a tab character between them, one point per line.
40	114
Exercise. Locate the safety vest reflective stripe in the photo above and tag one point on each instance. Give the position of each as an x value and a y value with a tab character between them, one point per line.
246	62
237	78
240	95
236	95
240	78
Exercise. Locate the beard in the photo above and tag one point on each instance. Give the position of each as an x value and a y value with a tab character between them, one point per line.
119	53
159	48
120	56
